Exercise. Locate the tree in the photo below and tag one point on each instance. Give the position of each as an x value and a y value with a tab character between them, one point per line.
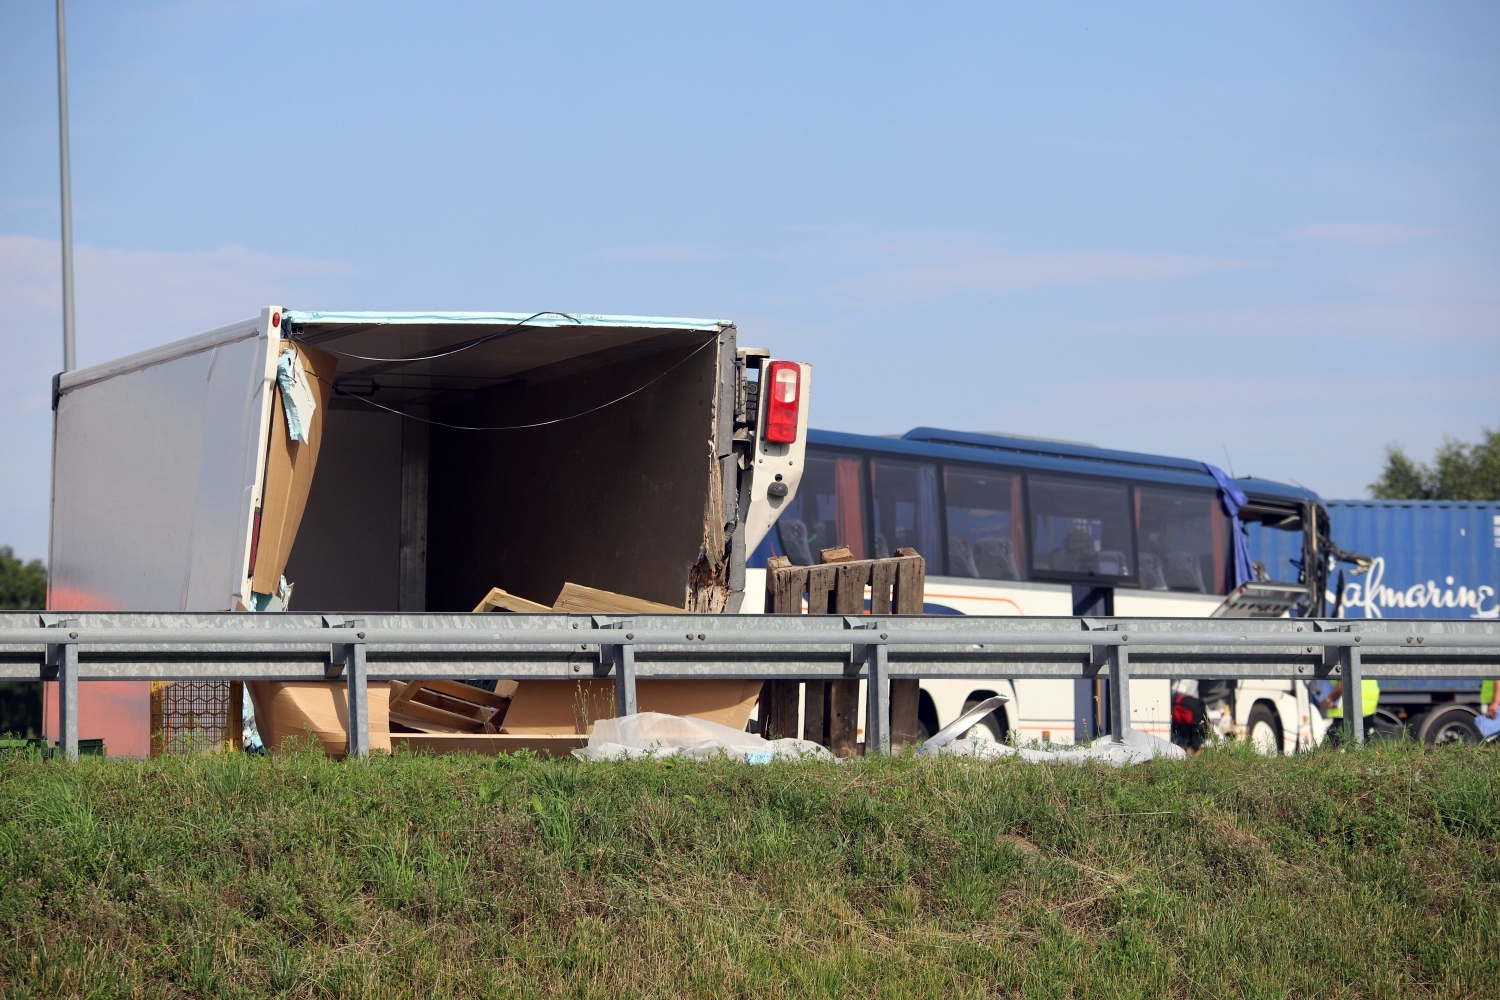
1458	471
23	587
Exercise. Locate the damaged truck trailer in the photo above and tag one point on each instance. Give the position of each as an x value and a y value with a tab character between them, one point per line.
412	462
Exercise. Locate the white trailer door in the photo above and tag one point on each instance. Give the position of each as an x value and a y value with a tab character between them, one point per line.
156	463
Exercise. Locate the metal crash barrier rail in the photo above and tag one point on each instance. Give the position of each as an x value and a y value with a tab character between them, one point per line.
72	647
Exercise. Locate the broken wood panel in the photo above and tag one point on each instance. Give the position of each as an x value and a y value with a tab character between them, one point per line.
578	599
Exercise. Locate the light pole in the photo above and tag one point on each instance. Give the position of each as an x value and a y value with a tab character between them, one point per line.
69	353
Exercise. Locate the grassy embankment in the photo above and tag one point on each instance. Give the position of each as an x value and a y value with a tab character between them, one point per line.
1370	873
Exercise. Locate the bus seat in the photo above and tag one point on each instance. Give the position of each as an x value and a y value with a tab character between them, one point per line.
1112	562
995	559
793	535
1183	572
961	557
1151	572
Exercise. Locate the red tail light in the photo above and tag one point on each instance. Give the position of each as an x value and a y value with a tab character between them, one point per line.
783	380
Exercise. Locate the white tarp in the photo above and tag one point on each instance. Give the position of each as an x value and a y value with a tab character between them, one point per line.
1137	748
653	734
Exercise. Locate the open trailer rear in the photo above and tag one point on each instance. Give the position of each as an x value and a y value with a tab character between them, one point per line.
411	462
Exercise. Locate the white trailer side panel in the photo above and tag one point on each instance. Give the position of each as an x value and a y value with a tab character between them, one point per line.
156	462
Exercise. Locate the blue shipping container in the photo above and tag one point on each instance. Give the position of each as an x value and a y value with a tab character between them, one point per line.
1433	558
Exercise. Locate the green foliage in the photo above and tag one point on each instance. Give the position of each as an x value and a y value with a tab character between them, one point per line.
23	586
1367	873
1458	471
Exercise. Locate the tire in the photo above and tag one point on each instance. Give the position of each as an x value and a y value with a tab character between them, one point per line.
1450	725
1263	730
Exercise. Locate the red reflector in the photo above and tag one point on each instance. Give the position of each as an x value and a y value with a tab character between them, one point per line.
276	319
783	380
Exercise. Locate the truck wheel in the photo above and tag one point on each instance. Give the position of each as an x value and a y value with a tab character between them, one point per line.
1450	725
1264	730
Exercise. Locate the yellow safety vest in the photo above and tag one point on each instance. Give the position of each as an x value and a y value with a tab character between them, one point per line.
1486	693
1369	700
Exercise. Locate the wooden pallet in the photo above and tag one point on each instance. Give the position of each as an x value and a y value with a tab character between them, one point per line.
830	714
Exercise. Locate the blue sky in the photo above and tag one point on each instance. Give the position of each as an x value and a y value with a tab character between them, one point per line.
1269	229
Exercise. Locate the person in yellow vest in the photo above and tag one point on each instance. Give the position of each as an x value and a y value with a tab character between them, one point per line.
1489	711
1333	708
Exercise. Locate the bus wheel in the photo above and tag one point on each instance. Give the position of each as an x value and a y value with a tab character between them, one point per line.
987	730
1450	725
1264	730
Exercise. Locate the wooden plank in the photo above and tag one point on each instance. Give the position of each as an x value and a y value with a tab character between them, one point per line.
882	584
821	583
843	696
906	695
401	693
837	554
420	713
578	599
815	712
499	600
779	708
465	692
911	582
785	587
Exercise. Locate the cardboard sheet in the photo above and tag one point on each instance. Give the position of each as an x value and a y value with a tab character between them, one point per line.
287	709
289	474
566	708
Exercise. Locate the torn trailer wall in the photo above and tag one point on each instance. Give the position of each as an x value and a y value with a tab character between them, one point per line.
177	486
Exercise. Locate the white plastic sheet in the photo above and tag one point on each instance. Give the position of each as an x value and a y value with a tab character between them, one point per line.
654	734
1137	748
297	397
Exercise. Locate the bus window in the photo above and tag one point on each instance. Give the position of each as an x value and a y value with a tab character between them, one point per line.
906	509
828	509
984	524
1182	538
1081	530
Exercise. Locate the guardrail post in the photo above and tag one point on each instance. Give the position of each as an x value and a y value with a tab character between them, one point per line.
350	658
62	665
1354	695
878	691
1119	694
625	679
619	657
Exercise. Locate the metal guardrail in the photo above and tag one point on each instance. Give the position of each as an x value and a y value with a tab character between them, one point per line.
74	647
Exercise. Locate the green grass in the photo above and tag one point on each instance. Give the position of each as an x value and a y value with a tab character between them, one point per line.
1360	874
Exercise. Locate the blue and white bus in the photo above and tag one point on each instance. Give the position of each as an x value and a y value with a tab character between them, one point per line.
1014	525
